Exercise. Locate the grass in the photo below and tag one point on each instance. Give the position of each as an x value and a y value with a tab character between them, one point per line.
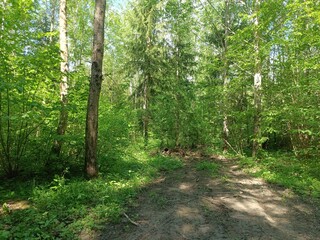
211	167
64	207
164	163
300	175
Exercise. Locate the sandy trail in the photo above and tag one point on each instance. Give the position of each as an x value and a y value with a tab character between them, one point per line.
190	204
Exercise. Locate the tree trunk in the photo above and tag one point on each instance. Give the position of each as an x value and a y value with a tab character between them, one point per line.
225	133
257	86
146	93
91	138
146	110
63	120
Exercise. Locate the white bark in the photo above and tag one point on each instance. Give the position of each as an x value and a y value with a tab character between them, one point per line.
257	85
225	76
63	120
257	80
63	49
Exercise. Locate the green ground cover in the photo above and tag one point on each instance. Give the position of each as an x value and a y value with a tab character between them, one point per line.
300	175
65	207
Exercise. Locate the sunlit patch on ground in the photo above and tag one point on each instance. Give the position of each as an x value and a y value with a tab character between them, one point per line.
185	186
14	206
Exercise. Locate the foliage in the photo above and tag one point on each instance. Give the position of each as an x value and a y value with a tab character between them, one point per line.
163	77
28	67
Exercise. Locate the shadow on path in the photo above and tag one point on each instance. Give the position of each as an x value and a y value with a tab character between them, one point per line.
190	204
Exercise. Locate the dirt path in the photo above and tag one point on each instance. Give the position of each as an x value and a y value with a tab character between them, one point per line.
190	204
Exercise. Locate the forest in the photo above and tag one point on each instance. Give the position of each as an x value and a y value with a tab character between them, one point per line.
99	99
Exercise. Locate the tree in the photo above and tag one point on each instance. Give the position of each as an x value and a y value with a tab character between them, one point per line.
257	84
143	61
225	76
91	137
63	120
162	55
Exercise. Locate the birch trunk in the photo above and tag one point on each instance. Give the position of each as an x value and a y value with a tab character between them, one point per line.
63	120
225	77
257	86
91	138
145	110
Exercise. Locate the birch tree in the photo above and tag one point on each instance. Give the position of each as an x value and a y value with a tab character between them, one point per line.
64	69
257	84
225	75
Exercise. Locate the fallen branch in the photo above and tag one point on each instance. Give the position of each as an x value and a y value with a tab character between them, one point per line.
133	222
231	146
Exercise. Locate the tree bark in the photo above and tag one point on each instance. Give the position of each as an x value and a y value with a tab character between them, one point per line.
63	119
225	133
257	86
146	109
91	138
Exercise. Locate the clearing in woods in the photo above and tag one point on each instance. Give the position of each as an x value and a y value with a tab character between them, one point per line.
193	203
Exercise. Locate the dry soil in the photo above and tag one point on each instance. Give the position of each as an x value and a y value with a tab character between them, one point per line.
191	204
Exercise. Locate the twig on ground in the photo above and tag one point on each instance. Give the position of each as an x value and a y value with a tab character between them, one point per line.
133	222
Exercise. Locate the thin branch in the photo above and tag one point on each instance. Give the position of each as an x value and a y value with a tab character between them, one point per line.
230	146
133	222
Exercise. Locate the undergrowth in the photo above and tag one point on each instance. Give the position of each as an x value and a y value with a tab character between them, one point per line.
300	175
65	207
